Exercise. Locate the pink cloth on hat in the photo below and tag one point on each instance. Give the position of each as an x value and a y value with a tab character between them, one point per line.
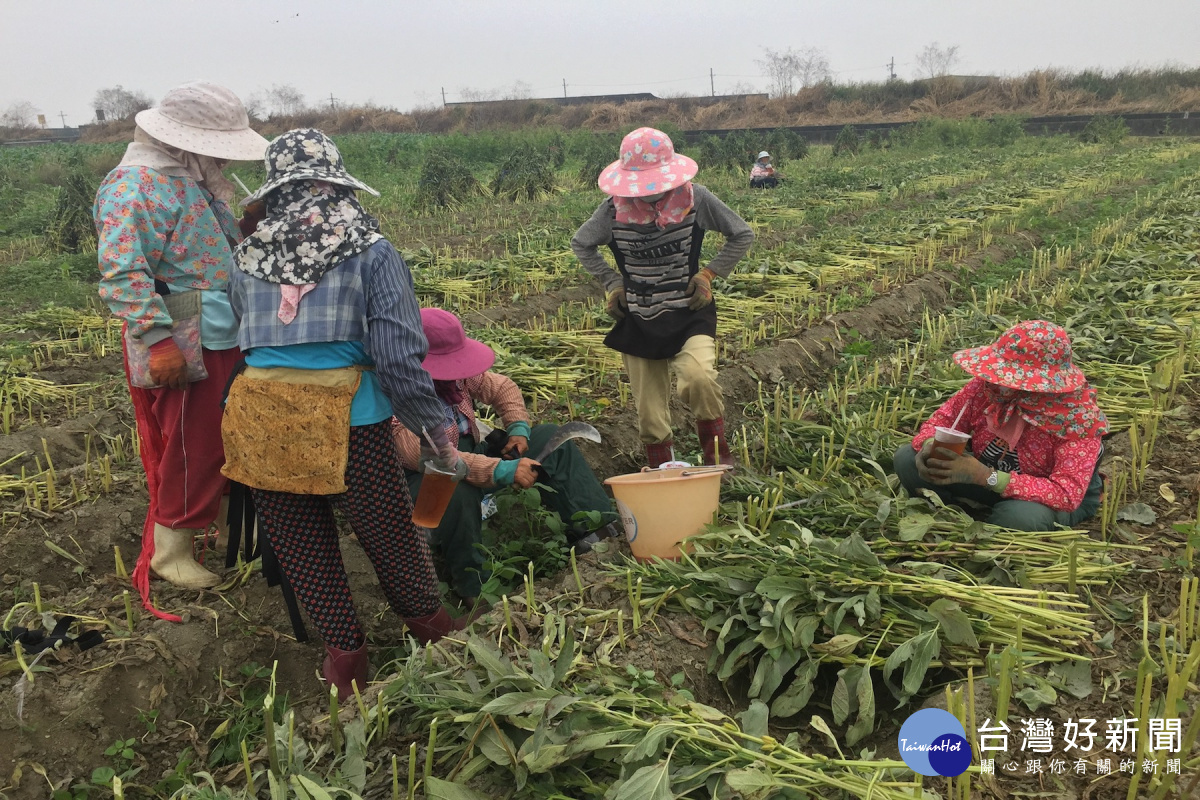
669	210
648	165
289	300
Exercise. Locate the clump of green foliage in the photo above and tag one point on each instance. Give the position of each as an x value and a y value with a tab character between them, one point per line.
526	174
445	181
847	142
1104	129
71	225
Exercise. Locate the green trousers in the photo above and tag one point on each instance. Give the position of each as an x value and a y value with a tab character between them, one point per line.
457	538
1018	515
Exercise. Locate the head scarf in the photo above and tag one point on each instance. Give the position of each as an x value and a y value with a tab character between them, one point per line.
670	209
1068	415
146	151
310	228
450	392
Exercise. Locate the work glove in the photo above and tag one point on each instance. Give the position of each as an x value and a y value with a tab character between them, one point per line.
946	467
168	367
699	290
253	214
617	306
443	456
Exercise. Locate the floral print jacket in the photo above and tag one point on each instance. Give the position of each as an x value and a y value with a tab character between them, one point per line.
1052	470
151	227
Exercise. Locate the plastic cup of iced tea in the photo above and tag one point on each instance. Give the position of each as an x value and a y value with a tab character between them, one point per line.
951	439
437	487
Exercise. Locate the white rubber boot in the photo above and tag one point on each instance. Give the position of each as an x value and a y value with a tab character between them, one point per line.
173	561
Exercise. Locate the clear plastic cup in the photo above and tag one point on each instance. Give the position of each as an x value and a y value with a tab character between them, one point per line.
951	439
437	487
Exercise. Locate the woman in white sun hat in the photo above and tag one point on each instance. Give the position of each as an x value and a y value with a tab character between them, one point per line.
166	241
654	222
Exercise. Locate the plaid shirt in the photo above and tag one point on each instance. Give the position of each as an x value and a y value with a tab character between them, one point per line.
491	389
367	298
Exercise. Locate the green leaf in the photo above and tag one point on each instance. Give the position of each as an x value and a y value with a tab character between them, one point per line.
547	757
955	624
914	526
496	745
541	668
1076	677
841	645
754	720
648	783
1041	694
650	746
566	656
855	550
842	703
796	696
751	783
1140	513
820	724
865	694
354	766
438	789
515	703
916	655
734	659
313	789
488	656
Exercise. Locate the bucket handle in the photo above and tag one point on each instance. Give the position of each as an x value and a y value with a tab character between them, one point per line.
705	470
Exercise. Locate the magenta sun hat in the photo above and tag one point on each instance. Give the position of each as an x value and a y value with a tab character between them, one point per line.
648	165
452	355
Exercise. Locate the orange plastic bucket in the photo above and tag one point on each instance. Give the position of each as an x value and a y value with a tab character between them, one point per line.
661	507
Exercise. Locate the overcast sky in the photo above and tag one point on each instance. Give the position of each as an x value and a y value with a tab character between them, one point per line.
57	53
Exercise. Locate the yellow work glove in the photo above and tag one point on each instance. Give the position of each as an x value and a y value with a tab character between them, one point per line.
617	305
699	291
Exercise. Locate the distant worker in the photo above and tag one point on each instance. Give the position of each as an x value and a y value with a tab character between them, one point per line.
662	299
166	241
762	174
461	369
1035	431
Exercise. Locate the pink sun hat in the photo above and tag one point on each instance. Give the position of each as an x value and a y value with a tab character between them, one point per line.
1031	356
648	165
452	355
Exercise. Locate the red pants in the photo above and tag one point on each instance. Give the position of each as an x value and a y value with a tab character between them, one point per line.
187	425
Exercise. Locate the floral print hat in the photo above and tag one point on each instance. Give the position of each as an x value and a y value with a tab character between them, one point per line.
1033	356
305	154
648	165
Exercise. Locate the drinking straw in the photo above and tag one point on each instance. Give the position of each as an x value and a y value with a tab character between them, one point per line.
956	419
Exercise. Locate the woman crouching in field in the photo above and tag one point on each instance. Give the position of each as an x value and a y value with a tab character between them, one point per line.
332	338
1035	434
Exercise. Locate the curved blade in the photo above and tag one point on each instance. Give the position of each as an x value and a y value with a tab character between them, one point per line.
572	430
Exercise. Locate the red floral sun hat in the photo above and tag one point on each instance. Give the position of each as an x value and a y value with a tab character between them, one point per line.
648	165
1033	356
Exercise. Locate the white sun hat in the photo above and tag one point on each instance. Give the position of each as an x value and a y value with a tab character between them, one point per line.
762	155
205	119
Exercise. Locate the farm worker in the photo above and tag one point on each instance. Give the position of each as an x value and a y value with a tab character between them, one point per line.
332	338
461	369
662	299
762	174
1035	434
166	240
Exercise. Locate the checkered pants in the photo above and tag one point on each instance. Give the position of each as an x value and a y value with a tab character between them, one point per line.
376	503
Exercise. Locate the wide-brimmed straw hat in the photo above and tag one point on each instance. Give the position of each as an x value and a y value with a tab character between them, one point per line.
1033	356
206	119
452	355
648	165
305	154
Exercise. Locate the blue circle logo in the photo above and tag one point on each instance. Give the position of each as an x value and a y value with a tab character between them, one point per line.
932	742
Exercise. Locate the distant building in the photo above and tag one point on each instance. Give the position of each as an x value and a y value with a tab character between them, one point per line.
615	99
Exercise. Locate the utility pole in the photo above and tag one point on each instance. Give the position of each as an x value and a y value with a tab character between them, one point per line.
564	87
892	69
332	103
63	117
443	97
712	82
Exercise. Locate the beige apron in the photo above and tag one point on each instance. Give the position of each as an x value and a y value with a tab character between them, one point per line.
288	430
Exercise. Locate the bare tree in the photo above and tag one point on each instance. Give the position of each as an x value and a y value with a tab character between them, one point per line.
20	114
120	103
791	70
742	87
520	90
283	100
935	61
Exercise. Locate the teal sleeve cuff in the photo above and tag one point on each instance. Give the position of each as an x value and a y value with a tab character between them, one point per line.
505	473
520	429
